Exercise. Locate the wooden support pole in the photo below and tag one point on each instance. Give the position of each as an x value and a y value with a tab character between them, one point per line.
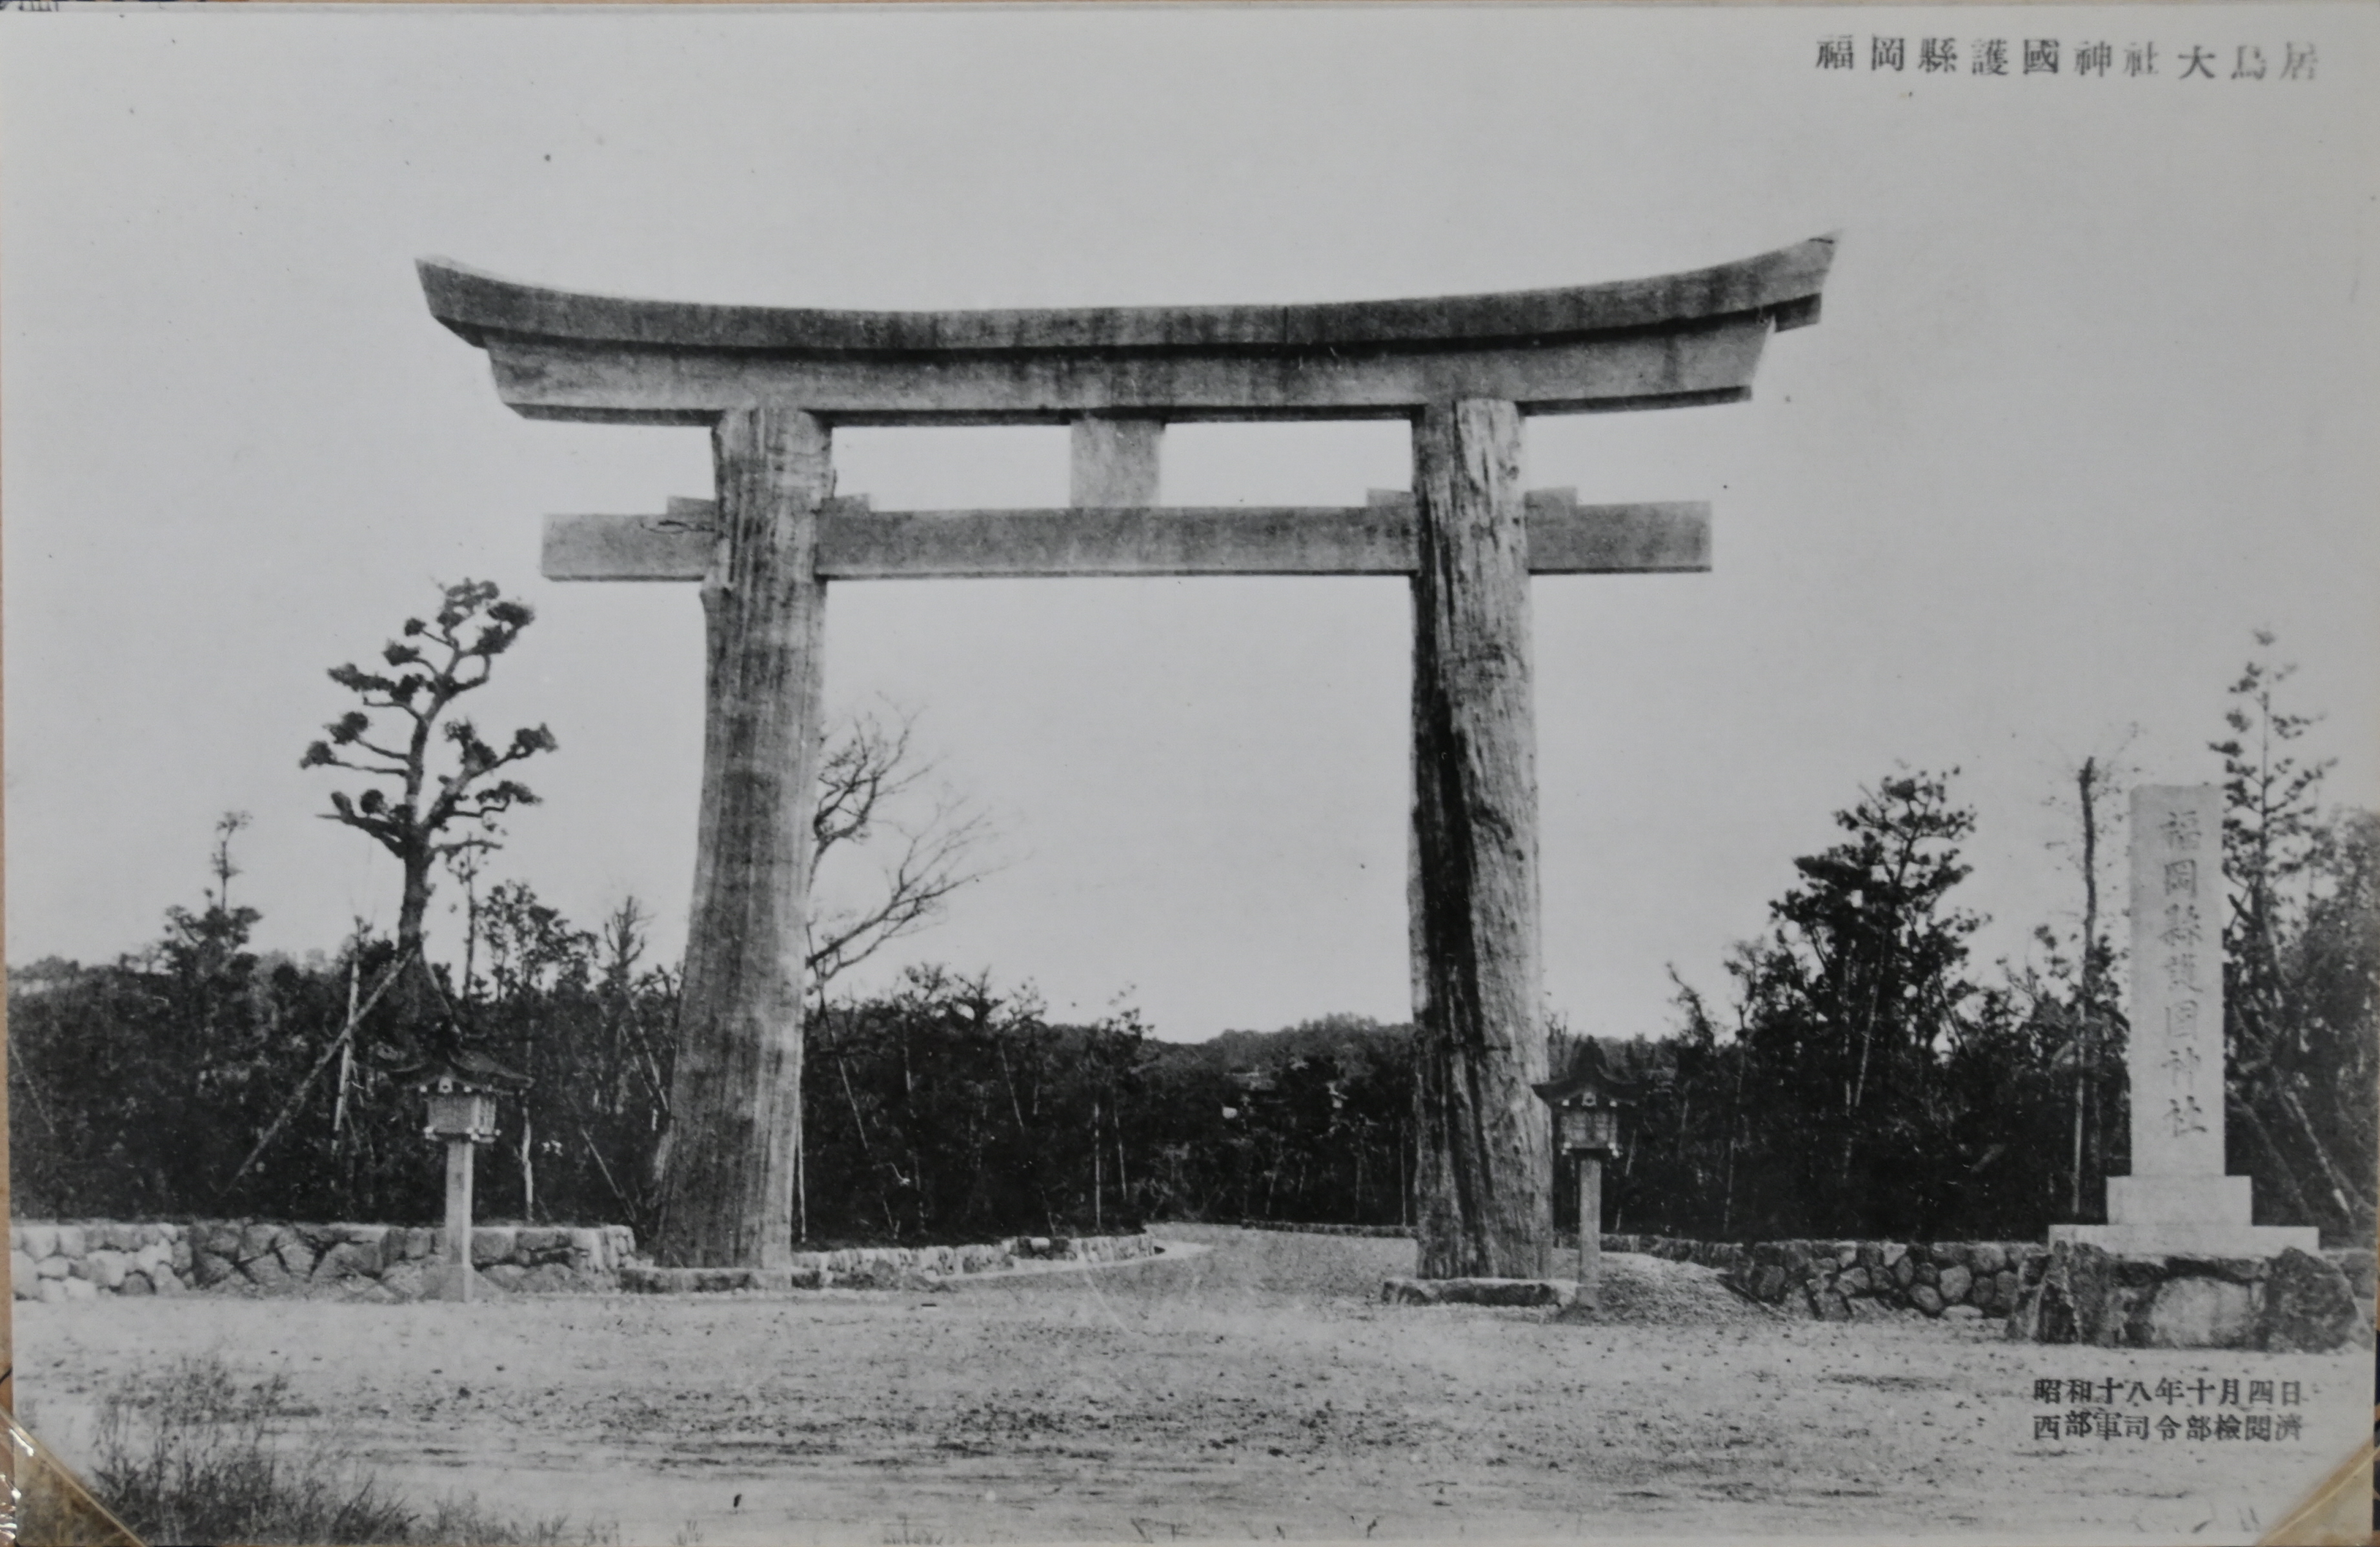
1486	1155
735	1108
1590	1228
458	1218
1114	462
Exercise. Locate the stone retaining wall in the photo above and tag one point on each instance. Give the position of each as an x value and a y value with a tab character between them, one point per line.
2291	1302
887	1267
2053	1295
84	1259
1843	1280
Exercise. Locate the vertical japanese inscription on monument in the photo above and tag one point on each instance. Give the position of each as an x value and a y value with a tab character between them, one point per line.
2177	1049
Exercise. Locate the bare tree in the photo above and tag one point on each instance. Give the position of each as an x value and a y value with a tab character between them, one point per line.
2095	780
864	780
432	813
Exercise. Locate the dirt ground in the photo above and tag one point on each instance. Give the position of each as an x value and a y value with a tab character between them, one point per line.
1255	1390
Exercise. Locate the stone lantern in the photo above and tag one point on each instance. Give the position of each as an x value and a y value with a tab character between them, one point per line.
1586	1128
461	1088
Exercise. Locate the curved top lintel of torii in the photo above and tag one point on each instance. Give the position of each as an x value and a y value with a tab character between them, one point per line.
1691	337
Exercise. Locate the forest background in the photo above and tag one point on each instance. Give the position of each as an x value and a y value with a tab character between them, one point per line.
1864	1077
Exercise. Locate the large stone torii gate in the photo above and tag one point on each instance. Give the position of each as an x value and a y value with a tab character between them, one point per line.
771	384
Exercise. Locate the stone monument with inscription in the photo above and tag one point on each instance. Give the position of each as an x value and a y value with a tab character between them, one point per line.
2178	1199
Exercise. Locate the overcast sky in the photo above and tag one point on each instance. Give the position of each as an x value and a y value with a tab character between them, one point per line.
2091	401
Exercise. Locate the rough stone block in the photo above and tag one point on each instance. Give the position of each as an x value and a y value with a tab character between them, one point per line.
535	1244
883	1275
78	1288
2005	1283
106	1268
136	1282
551	1278
1926	1298
110	1235
2198	1312
1954	1284
2078	1299
1928	1275
220	1237
490	1244
381	1246
507	1276
1962	1313
166	1283
53	1268
260	1239
1768	1284
22	1270
421	1243
2140	1272
2235	1270
1985	1257
73	1241
347	1259
52	1291
209	1269
182	1255
408	1280
2361	1268
2308	1306
37	1241
1856	1282
1904	1272
265	1271
296	1257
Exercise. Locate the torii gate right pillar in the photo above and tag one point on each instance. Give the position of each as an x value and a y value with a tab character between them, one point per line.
1484	1172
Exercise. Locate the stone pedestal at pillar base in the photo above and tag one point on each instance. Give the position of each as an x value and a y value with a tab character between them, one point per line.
1557	1291
2186	1215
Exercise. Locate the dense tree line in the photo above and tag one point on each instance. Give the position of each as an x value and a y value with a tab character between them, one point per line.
1863	1076
196	1078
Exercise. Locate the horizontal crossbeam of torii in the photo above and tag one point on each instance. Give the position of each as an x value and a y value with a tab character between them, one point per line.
774	383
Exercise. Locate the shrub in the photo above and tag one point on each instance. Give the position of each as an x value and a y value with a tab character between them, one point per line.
198	1457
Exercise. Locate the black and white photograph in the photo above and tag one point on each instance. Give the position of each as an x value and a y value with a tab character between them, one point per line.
875	774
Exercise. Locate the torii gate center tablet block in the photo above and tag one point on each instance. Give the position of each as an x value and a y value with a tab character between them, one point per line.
772	383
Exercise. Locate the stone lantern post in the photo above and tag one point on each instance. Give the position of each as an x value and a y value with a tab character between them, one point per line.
461	1090
1586	1128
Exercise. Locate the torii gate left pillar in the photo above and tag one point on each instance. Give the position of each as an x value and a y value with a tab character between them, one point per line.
771	384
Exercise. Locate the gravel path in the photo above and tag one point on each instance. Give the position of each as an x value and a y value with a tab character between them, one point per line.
1255	1390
